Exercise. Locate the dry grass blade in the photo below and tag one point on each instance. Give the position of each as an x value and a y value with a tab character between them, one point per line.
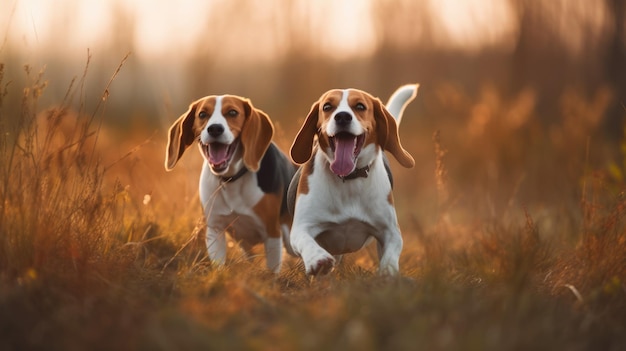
99	109
576	293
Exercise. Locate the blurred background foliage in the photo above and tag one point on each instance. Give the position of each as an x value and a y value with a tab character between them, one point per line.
515	211
528	95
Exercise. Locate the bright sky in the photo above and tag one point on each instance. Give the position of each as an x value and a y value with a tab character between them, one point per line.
342	28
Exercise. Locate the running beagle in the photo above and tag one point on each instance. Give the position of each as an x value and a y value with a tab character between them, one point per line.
342	197
244	178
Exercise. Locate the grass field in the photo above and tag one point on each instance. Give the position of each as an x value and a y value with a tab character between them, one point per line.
100	250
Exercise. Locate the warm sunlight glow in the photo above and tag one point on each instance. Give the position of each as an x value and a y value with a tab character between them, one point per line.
38	22
170	28
88	20
347	28
165	29
474	24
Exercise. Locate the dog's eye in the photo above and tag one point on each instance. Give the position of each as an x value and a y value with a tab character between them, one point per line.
360	107
327	106
202	114
232	113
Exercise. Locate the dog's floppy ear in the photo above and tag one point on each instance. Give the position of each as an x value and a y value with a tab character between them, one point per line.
302	146
388	138
256	136
180	137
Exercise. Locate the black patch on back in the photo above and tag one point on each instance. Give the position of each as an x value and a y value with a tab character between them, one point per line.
275	173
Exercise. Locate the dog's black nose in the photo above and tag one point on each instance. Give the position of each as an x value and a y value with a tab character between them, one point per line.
215	130
343	119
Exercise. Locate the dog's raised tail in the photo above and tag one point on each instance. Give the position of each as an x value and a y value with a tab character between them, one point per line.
400	99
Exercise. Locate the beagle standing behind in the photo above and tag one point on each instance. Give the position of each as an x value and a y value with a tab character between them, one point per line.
342	195
244	177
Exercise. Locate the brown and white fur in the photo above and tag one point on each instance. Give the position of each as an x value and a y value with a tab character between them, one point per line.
342	197
244	177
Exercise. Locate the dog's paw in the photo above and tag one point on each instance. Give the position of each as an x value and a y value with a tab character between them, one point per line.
320	265
389	270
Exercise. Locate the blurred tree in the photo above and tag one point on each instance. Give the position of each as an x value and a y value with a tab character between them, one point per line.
615	63
540	58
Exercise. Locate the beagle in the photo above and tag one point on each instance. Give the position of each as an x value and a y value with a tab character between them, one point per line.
341	197
244	178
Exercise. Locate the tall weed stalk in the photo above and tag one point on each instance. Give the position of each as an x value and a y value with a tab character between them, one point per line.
54	215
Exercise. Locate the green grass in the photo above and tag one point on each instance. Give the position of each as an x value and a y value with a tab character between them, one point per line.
85	263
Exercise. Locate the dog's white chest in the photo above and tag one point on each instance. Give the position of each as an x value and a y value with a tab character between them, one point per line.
230	203
344	215
364	199
228	197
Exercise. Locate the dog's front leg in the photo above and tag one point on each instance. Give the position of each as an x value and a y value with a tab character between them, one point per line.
389	249
216	245
316	259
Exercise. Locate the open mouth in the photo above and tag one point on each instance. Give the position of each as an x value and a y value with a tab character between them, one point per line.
219	155
347	148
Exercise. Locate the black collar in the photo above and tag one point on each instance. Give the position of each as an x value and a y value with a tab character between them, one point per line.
358	173
238	175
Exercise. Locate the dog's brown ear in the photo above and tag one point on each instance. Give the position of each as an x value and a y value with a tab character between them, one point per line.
302	146
388	138
256	136
180	137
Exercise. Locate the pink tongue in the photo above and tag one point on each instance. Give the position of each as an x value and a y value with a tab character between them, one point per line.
218	153
344	156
